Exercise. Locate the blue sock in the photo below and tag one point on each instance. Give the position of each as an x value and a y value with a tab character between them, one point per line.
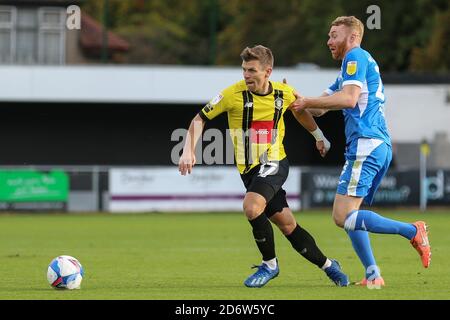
370	221
361	245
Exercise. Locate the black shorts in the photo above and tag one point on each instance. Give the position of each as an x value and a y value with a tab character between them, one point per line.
267	181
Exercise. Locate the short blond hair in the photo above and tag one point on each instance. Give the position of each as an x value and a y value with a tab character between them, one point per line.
262	54
352	22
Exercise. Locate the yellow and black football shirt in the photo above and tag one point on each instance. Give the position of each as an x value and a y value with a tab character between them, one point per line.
255	122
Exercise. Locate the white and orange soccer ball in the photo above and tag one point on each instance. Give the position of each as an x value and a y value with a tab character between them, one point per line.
65	272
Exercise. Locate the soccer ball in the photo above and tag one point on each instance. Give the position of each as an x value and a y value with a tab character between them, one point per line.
65	272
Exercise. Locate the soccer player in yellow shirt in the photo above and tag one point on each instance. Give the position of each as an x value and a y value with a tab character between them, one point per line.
255	107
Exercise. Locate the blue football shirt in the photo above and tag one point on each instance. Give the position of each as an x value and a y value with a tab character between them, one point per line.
366	119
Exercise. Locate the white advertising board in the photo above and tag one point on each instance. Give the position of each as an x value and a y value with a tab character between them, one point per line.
218	188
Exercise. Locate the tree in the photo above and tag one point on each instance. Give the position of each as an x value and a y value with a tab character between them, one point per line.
413	35
435	55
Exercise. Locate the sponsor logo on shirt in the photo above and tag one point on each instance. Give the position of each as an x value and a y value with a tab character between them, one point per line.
208	108
210	105
216	99
261	132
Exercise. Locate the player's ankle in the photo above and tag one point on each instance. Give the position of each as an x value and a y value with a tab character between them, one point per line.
272	263
327	264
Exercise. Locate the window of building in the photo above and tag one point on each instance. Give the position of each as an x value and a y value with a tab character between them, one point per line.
7	33
32	35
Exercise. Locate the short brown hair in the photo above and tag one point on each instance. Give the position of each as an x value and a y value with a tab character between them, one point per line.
262	54
350	21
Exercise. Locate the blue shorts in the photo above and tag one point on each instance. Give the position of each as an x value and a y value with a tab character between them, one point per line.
367	161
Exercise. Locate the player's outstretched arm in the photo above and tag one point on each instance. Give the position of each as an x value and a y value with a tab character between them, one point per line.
318	112
314	112
346	98
187	160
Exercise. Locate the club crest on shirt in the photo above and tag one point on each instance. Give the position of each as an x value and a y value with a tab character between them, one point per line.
351	67
278	103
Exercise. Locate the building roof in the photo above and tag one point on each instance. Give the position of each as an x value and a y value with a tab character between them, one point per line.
91	36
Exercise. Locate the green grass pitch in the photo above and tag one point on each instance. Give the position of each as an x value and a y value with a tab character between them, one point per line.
206	256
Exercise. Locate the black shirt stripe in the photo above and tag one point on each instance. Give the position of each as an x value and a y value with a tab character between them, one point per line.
247	118
278	99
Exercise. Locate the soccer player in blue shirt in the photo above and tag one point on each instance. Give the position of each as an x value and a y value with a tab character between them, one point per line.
358	91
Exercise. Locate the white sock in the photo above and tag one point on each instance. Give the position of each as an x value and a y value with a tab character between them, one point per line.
327	264
272	264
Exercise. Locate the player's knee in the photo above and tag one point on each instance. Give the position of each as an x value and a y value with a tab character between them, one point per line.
338	219
285	220
252	210
287	229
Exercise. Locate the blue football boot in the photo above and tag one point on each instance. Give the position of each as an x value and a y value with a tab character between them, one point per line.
263	275
336	275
